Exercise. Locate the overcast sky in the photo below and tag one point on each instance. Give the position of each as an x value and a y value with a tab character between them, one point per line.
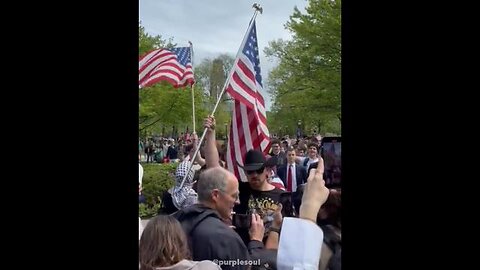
218	26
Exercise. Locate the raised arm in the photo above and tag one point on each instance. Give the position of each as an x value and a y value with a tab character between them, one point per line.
302	239
211	152
315	193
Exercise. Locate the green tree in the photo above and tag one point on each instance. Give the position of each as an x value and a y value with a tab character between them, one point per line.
211	75
162	106
147	42
306	84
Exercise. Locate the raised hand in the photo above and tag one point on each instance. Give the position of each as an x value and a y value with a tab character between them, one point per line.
209	123
256	228
315	193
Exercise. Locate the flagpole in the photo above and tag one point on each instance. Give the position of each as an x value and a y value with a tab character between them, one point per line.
257	9
193	92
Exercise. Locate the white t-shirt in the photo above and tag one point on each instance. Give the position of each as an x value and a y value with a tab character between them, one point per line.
300	245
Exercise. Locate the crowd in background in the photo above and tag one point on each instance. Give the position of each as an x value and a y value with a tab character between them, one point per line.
287	216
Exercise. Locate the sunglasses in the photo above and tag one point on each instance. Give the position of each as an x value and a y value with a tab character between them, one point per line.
259	171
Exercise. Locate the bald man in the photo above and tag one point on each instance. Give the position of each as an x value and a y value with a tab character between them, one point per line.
210	238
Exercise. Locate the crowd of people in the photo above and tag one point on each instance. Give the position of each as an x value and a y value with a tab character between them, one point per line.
157	149
283	217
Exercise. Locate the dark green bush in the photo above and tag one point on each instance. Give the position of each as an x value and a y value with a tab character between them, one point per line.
157	178
146	212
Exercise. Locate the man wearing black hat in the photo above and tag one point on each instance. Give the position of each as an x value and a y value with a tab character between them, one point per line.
206	223
258	195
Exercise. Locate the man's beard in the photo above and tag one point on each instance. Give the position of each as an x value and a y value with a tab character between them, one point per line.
256	183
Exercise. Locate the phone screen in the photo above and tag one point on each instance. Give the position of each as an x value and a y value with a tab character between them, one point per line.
287	205
332	156
242	221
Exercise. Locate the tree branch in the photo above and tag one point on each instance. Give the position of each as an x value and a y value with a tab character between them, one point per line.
145	119
151	124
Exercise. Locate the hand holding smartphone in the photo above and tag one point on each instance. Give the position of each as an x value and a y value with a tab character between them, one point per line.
331	152
287	205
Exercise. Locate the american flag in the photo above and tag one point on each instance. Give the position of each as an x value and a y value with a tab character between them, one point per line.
173	66
249	122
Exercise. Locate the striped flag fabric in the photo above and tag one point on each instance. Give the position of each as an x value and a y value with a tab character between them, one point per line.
173	66
248	128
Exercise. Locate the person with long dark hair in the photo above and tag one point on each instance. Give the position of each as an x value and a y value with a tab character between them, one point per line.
164	245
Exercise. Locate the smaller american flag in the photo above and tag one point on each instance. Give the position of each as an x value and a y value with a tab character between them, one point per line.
173	66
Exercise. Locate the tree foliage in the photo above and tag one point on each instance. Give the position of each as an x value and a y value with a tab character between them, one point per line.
306	84
161	107
147	42
211	75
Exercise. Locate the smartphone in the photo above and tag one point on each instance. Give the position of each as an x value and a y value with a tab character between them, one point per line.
242	221
331	152
287	204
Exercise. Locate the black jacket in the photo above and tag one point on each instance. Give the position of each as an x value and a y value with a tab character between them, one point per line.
300	174
172	153
210	238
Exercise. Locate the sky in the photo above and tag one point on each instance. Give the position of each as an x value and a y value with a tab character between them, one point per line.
218	26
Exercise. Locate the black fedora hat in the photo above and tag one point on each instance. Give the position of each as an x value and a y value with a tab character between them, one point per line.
254	160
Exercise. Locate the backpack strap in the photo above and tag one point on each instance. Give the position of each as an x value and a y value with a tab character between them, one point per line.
190	234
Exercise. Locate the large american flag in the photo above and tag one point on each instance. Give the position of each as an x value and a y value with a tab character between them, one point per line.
173	66
248	129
